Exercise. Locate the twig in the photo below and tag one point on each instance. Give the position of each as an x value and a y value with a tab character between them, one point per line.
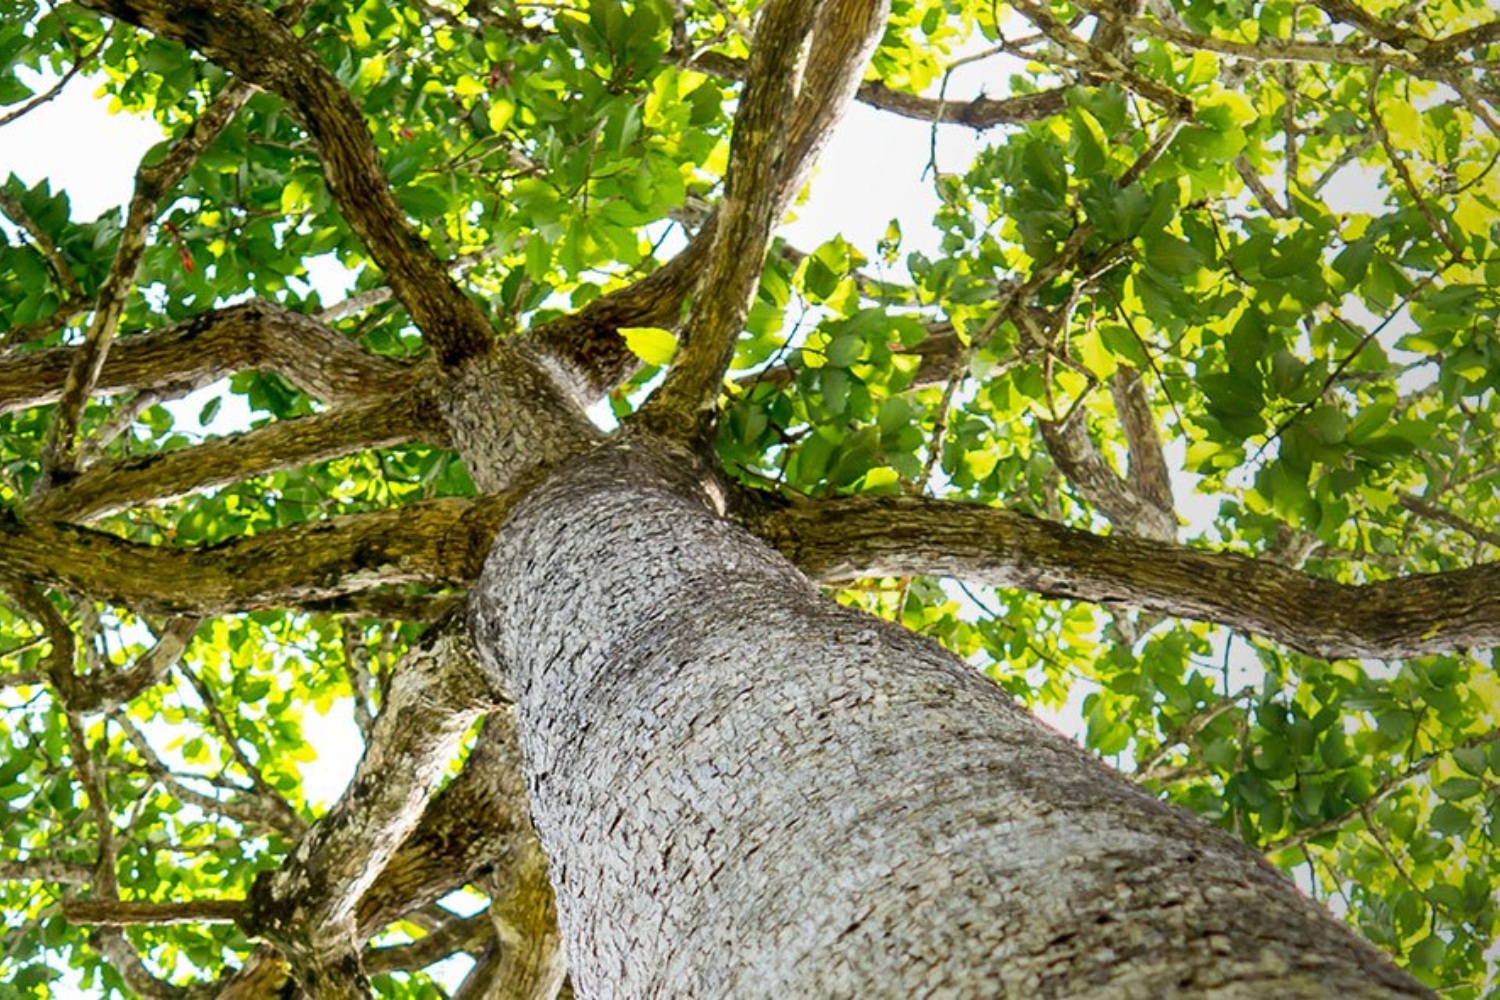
121	913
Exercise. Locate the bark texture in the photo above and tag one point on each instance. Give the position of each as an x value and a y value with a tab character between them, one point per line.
774	796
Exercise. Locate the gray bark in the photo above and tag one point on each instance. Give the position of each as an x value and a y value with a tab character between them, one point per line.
746	790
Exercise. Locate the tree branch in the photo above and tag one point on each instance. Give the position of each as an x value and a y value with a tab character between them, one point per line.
117	913
682	407
434	542
308	906
1432	512
979	114
104	692
474	825
477	824
588	343
255	46
1148	474
1403	617
152	182
45	870
211	346
106	487
56	263
1390	786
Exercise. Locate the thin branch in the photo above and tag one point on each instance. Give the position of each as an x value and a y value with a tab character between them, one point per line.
103	692
1403	171
106	487
285	816
1432	512
470	935
1146	768
45	870
243	806
117	913
1104	63
13	210
1390	786
82	60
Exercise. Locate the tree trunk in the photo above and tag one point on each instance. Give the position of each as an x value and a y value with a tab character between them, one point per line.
746	790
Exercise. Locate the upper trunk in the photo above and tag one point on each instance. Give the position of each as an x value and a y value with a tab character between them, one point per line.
747	790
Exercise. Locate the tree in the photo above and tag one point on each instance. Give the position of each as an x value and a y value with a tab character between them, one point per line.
635	537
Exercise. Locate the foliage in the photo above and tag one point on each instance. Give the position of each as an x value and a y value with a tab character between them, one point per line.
1251	242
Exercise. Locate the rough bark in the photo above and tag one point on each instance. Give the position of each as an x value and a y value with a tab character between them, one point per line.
308	564
854	537
746	790
214	345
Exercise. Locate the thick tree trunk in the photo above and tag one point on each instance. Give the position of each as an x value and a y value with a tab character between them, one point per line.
745	790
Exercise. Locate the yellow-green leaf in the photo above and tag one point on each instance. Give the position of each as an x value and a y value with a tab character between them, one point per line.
651	344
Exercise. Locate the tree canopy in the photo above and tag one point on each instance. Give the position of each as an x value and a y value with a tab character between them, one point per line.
1185	426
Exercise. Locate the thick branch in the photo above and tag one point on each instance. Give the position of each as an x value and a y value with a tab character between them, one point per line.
307	907
1404	617
434	542
526	963
683	406
212	346
255	46
110	486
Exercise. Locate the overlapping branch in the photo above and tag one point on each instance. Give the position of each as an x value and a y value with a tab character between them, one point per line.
682	407
152	183
443	542
475	826
308	906
588	342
